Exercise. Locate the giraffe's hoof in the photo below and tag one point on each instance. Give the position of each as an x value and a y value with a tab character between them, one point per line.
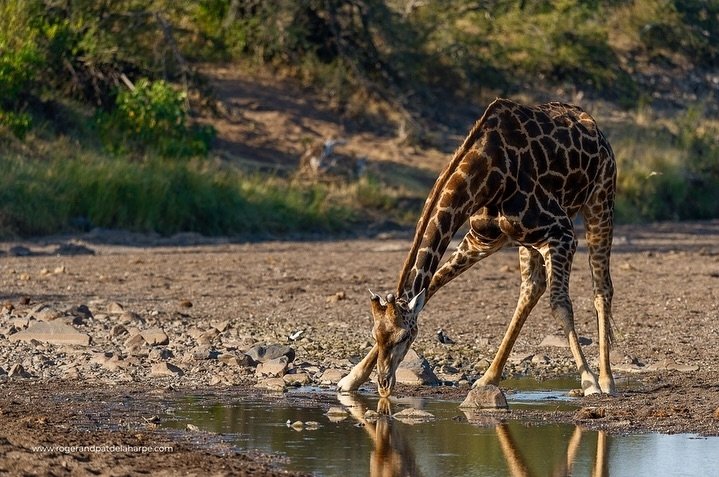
347	384
592	389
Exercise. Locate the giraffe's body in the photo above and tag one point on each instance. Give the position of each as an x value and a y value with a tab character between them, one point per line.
520	176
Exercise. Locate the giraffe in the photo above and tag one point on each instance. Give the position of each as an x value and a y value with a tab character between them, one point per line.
520	177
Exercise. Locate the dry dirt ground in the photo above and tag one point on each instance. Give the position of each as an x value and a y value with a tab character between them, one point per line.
666	311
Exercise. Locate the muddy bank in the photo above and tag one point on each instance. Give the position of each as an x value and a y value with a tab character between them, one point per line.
82	327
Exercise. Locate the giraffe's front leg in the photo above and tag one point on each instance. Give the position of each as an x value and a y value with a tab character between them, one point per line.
360	373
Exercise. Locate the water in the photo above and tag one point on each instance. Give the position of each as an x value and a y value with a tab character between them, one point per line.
445	446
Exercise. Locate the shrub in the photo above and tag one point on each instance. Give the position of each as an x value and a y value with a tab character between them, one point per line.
153	116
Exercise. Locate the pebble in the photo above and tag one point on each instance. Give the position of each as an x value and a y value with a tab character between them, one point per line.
53	333
271	384
275	368
332	376
155	336
165	369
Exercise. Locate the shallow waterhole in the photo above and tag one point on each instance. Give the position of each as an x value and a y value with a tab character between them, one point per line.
450	444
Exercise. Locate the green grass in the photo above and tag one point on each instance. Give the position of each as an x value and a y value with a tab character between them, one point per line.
41	196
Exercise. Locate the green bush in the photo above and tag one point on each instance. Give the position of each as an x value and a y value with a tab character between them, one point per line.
153	116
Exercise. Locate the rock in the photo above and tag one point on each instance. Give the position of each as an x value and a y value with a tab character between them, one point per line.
482	365
68	249
339	296
204	352
221	326
449	374
485	397
207	337
115	308
118	330
155	336
540	360
274	368
130	318
415	370
235	361
17	371
53	333
160	354
43	312
134	341
413	416
716	413
19	251
262	353
297	379
559	341
332	376
271	384
165	369
669	364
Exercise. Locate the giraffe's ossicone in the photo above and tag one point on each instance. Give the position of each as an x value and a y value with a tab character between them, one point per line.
521	176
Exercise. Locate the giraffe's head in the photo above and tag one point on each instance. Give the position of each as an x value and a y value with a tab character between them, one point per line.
394	330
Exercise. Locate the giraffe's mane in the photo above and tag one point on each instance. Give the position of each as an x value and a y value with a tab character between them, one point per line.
433	198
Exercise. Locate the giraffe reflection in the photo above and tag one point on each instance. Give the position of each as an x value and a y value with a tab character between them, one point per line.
517	465
393	455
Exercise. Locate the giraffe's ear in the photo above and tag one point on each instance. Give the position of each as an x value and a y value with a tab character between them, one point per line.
417	303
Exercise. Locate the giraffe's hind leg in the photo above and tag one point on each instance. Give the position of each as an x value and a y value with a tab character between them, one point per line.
534	282
471	250
599	241
558	254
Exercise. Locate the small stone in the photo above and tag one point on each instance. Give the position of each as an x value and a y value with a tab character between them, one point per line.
185	304
43	312
203	353
115	308
413	416
53	333
222	326
130	318
559	341
275	368
19	251
155	336
207	337
134	341
118	330
192	428
165	369
232	360
332	376
540	360
485	397
716	413
339	296
17	371
68	249
272	384
297	379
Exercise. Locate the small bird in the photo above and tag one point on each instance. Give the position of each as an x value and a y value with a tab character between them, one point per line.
296	335
443	338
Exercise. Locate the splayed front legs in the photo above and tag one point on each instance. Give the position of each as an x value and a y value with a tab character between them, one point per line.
360	373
